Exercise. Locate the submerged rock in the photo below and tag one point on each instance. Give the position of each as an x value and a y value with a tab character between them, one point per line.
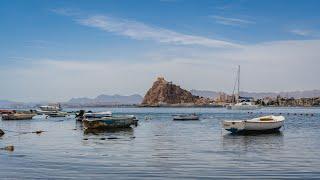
8	148
1	133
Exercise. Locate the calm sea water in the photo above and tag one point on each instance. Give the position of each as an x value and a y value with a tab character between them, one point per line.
160	148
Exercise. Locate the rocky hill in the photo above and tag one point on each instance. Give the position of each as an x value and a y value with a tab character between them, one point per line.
163	92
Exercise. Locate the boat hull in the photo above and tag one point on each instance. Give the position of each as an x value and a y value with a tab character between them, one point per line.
17	116
255	125
105	123
236	131
186	118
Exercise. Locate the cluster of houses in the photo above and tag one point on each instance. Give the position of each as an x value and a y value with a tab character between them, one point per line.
224	98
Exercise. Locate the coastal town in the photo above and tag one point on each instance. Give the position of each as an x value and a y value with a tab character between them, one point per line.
165	93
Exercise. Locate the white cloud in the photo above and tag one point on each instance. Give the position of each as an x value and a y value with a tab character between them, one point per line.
140	31
305	33
232	21
272	66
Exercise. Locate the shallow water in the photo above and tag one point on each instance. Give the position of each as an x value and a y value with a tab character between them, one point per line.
161	148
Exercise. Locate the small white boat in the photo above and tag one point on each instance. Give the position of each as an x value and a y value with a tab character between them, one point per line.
185	117
260	124
51	108
243	106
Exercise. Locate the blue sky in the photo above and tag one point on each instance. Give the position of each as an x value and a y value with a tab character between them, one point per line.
55	50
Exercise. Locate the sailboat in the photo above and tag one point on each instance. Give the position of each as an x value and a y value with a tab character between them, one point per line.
241	103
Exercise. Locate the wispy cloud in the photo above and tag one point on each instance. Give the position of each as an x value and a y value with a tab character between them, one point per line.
301	32
232	21
141	31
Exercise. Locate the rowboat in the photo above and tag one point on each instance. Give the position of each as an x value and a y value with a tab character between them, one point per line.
186	117
18	116
109	122
256	125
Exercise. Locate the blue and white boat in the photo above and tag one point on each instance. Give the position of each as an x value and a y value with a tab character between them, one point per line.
255	125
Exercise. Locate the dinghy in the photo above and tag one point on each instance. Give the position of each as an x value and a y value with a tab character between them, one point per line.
256	125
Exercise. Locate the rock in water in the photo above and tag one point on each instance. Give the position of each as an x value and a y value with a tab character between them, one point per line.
1	133
164	92
9	148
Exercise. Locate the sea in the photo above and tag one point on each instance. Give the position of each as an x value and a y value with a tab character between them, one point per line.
160	148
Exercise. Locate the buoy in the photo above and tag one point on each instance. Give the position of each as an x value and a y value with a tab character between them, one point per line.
1	133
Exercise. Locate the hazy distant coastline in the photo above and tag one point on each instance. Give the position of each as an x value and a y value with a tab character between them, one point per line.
135	99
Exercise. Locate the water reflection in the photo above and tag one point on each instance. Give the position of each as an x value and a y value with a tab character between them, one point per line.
253	141
114	131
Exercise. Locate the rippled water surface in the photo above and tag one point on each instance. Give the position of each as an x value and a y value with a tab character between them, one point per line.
161	148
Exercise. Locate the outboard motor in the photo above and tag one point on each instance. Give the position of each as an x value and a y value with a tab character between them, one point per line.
80	116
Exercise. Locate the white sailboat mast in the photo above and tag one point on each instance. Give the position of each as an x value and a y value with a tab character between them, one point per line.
238	82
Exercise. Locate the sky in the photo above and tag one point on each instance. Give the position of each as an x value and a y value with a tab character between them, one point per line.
56	50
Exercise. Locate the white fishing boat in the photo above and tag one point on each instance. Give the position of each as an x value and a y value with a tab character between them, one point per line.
241	103
51	108
259	125
185	117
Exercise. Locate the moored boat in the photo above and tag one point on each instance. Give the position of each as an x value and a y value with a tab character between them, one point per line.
185	117
255	125
18	116
109	122
55	107
241	103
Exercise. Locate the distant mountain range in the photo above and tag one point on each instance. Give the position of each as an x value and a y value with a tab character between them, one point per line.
289	94
137	99
107	100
